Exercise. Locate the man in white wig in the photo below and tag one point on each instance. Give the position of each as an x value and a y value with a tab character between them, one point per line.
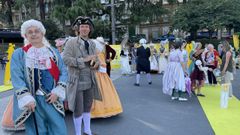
80	57
143	63
39	80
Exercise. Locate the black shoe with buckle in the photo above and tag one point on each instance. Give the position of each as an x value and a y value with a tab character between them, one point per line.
136	84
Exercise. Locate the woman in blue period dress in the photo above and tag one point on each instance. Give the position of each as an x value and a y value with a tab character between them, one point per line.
39	79
173	78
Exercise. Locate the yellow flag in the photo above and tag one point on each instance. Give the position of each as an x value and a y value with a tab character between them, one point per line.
236	41
189	48
7	76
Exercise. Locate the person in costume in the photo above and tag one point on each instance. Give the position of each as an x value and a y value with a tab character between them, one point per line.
162	61
153	58
124	56
143	63
211	62
124	59
80	57
198	82
134	57
166	44
173	78
7	119
198	75
39	79
60	44
110	104
110	54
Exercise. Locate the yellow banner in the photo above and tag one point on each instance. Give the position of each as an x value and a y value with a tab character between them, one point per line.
116	62
236	41
7	76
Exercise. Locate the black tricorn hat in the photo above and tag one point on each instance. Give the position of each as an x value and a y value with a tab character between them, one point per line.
83	20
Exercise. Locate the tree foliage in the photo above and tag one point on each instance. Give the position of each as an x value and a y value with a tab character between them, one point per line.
27	8
53	31
144	10
69	10
6	12
205	14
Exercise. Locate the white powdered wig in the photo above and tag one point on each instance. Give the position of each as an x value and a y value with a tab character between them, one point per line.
99	46
29	23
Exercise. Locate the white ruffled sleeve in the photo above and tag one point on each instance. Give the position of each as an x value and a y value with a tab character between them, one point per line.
23	101
60	91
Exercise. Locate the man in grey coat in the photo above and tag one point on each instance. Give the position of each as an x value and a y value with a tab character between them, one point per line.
80	57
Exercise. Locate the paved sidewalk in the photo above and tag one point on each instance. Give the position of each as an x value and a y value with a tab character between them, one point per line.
115	74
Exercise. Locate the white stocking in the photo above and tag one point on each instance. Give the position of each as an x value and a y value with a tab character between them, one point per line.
87	123
77	124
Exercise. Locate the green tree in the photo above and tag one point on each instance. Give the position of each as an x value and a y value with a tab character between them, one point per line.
65	9
144	10
205	14
68	10
6	12
27	8
53	32
60	9
102	28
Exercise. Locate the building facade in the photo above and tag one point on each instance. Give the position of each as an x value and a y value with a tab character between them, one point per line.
160	27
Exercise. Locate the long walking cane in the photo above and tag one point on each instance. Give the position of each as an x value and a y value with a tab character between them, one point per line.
35	122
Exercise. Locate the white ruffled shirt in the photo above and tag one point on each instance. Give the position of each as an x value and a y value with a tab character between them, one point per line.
39	58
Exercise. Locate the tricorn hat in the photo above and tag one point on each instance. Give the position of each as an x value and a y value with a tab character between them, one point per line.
83	20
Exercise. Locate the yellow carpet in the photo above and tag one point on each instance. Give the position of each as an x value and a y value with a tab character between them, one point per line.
223	121
5	88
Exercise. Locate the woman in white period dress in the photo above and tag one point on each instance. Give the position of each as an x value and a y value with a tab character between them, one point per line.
124	59
153	58
173	78
162	61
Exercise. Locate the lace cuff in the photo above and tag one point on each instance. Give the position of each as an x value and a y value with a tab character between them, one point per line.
23	101
60	91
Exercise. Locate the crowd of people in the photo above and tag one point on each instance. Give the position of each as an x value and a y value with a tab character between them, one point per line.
186	66
48	81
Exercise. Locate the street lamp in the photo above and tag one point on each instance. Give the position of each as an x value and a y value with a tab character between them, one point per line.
113	22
